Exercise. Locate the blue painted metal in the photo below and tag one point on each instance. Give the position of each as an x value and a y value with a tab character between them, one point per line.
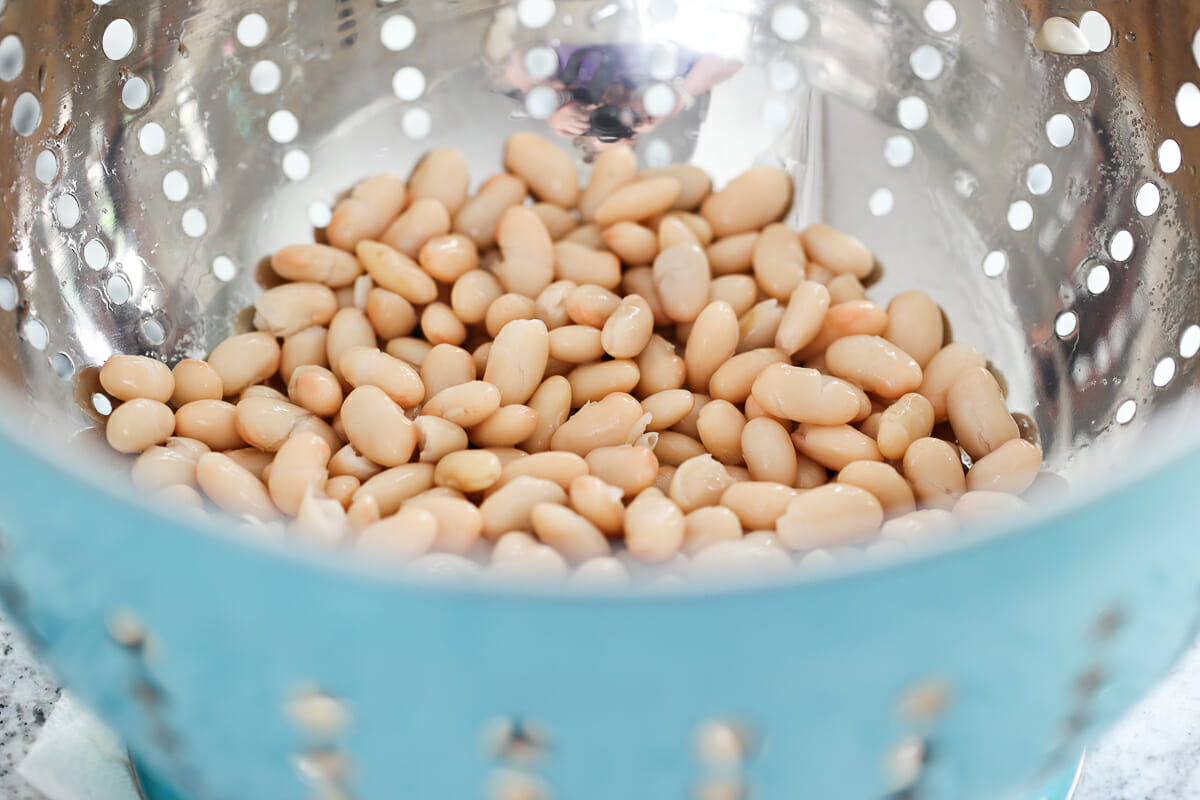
1060	787
1011	624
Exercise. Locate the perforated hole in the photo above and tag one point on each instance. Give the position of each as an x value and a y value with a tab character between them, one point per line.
1121	246
8	294
416	123
913	113
1097	30
515	740
118	289
102	404
1148	199
153	330
662	10
397	33
1078	85
296	165
789	22
1020	215
36	333
776	115
783	75
721	743
966	183
118	39
663	62
657	153
1060	130
1098	279
1187	104
1164	372
1189	342
26	114
252	30
541	102
542	62
95	254
994	263
265	77
224	269
904	763
316	711
62	365
1039	179
12	57
175	186
1126	412
1066	324
898	151
135	93
45	167
513	784
881	203
152	138
1170	157
940	16
66	211
283	127
925	700
927	63
659	100
535	13
1196	48
408	83
195	224
324	770
320	214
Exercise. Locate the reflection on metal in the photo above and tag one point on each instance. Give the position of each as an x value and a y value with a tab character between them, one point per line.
601	93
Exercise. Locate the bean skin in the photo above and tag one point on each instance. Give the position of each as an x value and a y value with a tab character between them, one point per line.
133	377
832	515
139	424
934	469
681	277
530	372
366	213
549	172
377	427
977	413
441	175
755	198
613	168
654	527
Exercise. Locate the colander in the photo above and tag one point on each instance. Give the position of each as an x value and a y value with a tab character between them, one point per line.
155	151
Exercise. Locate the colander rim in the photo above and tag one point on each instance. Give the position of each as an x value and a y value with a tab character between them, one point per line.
1177	446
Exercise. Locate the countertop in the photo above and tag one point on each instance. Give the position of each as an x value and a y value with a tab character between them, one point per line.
1152	754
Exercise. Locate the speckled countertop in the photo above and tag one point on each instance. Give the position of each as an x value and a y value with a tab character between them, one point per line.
26	698
1153	754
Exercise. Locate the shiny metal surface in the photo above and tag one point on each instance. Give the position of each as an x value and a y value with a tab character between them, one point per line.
729	87
120	242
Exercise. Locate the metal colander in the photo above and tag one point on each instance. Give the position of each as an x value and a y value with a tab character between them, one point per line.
155	152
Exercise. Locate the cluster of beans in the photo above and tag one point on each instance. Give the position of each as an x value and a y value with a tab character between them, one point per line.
641	371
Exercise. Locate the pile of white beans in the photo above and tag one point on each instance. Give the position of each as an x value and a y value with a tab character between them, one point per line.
638	371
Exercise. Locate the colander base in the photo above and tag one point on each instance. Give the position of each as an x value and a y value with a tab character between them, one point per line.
1061	787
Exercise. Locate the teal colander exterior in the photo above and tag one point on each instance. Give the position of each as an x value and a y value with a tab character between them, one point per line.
1035	640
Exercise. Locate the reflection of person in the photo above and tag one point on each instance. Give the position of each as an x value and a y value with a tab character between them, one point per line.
602	89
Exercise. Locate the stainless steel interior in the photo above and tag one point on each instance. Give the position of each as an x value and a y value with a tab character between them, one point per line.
1093	342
